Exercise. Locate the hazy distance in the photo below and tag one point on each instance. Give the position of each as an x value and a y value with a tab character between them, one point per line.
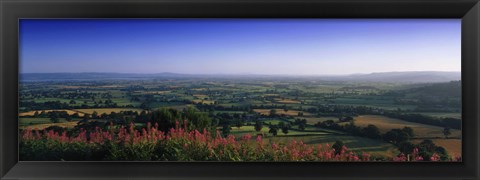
386	77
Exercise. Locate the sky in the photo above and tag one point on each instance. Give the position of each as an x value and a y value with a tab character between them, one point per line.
239	46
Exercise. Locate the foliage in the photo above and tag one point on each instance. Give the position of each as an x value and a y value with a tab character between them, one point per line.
395	136
176	145
371	131
273	130
258	126
446	132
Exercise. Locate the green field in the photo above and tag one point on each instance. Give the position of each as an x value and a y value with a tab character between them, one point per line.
41	123
247	100
107	110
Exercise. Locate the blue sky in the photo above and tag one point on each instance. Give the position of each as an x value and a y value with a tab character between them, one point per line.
239	46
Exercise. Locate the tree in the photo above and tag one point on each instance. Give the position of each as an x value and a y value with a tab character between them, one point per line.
54	119
371	131
338	147
42	114
395	136
258	126
285	129
301	126
446	132
94	115
238	124
281	124
56	129
273	130
163	117
427	148
273	112
406	147
351	128
197	120
408	131
85	117
345	119
35	114
75	115
300	114
226	130
442	152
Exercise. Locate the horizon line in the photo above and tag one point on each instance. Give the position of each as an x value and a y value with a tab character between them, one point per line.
153	73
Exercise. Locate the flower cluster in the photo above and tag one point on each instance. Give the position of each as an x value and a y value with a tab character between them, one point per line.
178	144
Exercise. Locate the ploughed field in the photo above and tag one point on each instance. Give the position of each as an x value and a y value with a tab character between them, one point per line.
237	106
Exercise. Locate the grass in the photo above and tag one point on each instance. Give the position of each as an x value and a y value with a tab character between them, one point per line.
42	100
33	121
281	112
275	121
125	102
177	107
43	126
248	130
107	110
420	130
31	113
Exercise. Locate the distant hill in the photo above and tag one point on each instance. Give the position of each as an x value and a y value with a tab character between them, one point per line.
389	77
431	97
445	90
403	77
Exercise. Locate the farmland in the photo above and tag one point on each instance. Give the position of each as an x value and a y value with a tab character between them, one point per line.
360	115
421	130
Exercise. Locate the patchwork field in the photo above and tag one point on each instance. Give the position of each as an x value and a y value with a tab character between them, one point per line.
210	103
420	130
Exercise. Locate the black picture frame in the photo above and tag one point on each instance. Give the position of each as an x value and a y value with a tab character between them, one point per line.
12	10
